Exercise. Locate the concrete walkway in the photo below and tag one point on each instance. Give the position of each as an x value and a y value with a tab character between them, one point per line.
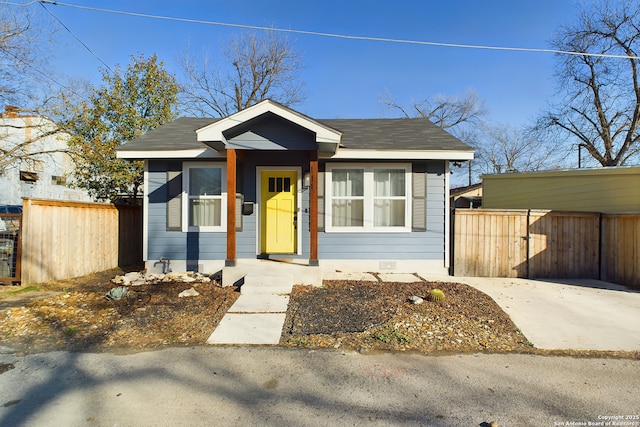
555	315
570	314
258	315
23	298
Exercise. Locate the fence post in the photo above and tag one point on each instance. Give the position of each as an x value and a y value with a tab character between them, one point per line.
600	246
528	239
452	242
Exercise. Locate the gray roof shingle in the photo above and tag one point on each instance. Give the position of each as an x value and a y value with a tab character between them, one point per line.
394	134
179	134
376	134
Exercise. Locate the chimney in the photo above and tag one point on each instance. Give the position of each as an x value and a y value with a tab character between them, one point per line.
11	111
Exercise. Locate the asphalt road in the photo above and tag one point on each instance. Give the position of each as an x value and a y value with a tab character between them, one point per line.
260	386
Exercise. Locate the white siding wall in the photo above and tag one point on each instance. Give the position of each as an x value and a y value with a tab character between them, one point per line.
17	130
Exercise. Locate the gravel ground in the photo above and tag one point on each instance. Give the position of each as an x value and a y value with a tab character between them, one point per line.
362	316
380	316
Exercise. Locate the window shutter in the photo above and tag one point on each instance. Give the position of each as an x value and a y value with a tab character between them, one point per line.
320	201
419	198
174	201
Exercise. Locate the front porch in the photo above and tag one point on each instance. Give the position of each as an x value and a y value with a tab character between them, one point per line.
302	273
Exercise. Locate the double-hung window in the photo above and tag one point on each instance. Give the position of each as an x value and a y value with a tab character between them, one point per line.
347	201
204	207
368	197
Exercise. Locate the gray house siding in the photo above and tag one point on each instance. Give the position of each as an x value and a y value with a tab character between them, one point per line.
270	132
427	245
175	244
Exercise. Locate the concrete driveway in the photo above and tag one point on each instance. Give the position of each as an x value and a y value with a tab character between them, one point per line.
567	314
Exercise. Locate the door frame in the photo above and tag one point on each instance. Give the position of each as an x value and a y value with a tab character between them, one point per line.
298	171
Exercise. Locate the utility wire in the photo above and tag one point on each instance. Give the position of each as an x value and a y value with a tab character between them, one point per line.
77	38
20	4
339	36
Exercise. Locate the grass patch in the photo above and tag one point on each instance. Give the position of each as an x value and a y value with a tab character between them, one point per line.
71	330
391	335
25	289
298	341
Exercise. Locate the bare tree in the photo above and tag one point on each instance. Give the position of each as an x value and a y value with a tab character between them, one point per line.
26	134
504	148
460	115
22	56
601	104
445	111
257	67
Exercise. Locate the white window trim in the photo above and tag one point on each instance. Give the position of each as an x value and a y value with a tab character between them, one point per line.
368	226
185	198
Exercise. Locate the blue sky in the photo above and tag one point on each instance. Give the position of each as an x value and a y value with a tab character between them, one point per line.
346	78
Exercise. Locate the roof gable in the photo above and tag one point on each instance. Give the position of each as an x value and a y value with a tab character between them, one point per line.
216	132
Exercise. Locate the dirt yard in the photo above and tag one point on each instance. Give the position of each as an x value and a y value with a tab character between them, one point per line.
81	318
361	316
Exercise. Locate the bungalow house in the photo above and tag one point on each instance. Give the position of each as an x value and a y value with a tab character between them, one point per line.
271	183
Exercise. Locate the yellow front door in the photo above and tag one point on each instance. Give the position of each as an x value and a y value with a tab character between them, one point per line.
279	212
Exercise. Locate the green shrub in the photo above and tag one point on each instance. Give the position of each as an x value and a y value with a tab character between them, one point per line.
117	293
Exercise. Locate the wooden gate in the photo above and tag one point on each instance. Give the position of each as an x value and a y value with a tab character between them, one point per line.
10	248
490	243
526	243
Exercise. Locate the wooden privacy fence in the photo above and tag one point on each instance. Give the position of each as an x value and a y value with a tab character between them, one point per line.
68	239
547	244
620	261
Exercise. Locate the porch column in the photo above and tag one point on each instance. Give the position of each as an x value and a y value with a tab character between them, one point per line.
231	208
313	208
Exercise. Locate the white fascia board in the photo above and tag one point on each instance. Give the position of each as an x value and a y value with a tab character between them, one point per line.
345	153
214	131
198	153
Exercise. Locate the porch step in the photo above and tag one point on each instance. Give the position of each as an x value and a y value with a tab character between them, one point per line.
258	314
258	284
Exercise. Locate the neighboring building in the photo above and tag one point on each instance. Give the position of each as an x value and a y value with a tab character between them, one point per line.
44	176
612	189
269	182
466	197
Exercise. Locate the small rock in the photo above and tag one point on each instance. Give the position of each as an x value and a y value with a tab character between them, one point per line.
188	293
133	276
138	282
416	299
154	276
